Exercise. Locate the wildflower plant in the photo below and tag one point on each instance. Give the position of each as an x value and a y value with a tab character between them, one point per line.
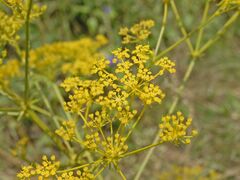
67	58
105	105
105	99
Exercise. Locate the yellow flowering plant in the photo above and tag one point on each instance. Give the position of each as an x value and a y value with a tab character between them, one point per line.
67	58
105	104
105	99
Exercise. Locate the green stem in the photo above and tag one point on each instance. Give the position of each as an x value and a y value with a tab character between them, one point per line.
171	109
61	100
187	75
11	95
182	85
99	172
47	104
79	167
40	110
142	149
177	98
75	168
164	21
180	24
54	118
136	122
34	117
185	37
27	46
9	113
200	33
220	32
68	115
6	109
119	171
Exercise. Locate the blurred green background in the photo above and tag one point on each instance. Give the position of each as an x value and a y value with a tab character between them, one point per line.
212	95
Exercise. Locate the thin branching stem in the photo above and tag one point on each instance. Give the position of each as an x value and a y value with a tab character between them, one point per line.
184	38
180	24
79	167
27	47
136	122
142	149
164	21
220	32
176	99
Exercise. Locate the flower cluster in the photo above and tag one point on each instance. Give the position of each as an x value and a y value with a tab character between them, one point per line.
92	141
67	130
137	32
9	26
46	169
11	23
72	57
110	148
174	129
98	119
9	70
85	174
105	100
112	90
20	8
113	148
49	169
111	102
166	65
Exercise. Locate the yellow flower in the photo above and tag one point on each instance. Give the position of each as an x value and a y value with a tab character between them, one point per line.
150	94
125	116
166	65
124	67
92	141
145	74
26	172
9	26
20	8
98	119
85	174
67	130
100	65
137	32
141	54
48	168
130	81
82	92
9	70
106	79
120	54
114	147
72	57
174	129
115	100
